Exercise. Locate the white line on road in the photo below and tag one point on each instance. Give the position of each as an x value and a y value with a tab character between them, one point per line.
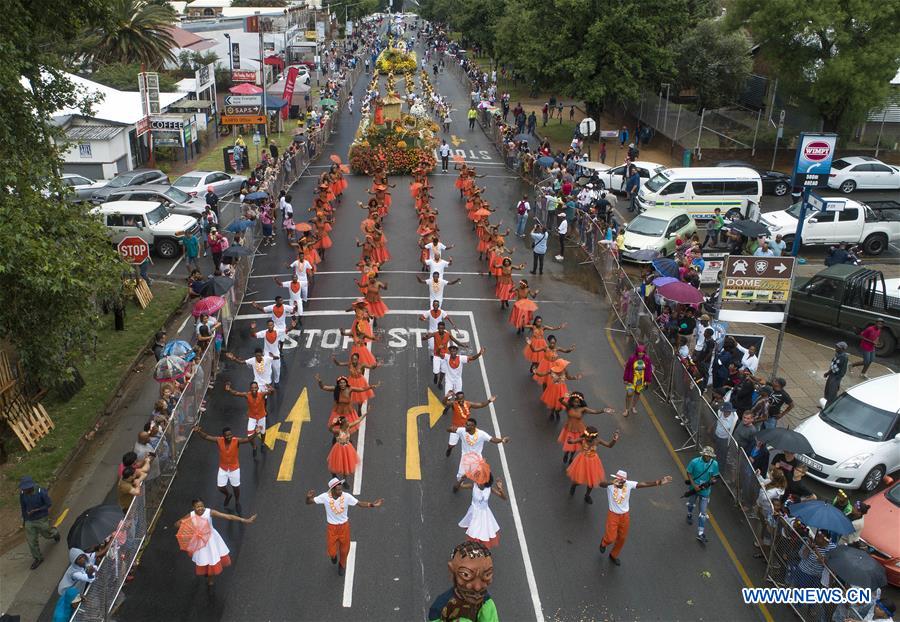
447	273
422	298
175	265
184	323
361	439
348	576
513	504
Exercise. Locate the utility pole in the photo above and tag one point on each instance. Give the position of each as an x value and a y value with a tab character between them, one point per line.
262	73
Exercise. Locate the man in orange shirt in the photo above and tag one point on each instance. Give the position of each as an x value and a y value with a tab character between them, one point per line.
441	339
256	411
229	465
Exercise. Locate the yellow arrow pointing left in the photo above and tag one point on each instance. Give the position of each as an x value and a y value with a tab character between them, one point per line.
298	415
434	409
456	140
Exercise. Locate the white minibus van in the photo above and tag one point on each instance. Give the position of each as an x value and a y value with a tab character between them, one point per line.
700	190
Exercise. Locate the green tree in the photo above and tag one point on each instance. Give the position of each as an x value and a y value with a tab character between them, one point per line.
56	261
714	63
124	77
136	32
839	55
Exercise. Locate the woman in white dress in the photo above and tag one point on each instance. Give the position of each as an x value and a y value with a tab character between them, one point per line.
212	558
479	521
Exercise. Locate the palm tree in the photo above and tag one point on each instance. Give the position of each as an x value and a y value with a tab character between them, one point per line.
135	33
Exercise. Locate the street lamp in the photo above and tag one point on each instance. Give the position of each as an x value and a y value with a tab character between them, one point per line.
230	57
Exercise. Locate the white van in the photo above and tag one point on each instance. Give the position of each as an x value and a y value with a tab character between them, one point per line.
700	190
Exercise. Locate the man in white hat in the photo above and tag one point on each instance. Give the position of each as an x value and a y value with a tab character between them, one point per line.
337	504
702	473
618	520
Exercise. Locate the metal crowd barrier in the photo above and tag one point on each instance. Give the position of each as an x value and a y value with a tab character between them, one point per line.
129	539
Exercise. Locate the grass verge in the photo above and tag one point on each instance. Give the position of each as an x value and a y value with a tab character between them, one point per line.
211	159
101	372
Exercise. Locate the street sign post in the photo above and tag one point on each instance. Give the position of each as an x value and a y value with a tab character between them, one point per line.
587	127
133	249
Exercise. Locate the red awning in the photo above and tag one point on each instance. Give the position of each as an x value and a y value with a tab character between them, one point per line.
275	61
245	88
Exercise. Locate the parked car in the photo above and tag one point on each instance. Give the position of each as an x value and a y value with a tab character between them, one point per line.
149	220
863	173
881	530
196	182
774	182
81	187
873	225
614	178
178	201
137	177
856	438
702	189
849	298
656	229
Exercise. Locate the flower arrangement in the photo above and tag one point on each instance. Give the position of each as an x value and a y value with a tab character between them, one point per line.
394	60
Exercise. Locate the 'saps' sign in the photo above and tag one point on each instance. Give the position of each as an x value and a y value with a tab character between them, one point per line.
813	163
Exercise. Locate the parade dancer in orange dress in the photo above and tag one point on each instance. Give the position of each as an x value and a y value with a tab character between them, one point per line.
383	197
523	309
343	459
549	353
587	469
361	334
576	409
504	289
341	391
556	386
357	379
321	224
374	305
379	243
535	344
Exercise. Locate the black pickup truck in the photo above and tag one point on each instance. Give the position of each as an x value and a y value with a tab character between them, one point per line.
849	298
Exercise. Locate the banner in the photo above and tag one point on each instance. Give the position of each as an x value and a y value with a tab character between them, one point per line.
813	161
289	81
235	56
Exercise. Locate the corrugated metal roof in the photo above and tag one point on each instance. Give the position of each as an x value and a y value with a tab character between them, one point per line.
889	115
93	132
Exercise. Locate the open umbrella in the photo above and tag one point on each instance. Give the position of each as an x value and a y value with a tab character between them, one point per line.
169	368
216	286
644	254
239	226
545	161
484	105
302	226
94	526
665	266
180	348
856	567
683	293
821	515
523	138
208	305
259	195
664	280
193	533
328	103
237	251
785	440
750	228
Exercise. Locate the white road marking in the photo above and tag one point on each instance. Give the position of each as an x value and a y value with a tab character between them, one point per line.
175	265
423	298
184	323
513	504
350	570
361	439
356	272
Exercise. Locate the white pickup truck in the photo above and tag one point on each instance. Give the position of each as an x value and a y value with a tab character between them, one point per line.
873	225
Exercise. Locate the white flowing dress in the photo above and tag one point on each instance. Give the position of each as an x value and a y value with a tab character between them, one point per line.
214	556
479	521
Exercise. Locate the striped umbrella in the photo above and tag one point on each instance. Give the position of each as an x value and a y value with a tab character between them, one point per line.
170	368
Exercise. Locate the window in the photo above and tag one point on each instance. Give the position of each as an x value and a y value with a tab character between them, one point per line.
822	287
863	168
823	217
115	220
681	222
674	188
848	215
743	187
709	188
84	150
840	164
644	173
881	168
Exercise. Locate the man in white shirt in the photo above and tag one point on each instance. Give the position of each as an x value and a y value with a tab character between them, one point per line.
562	229
278	311
260	364
435	247
618	494
337	505
302	268
750	359
296	290
434	316
725	423
437	264
471	439
271	340
436	286
444	152
453	367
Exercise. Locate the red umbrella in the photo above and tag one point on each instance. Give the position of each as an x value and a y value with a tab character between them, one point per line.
681	292
208	305
245	88
193	534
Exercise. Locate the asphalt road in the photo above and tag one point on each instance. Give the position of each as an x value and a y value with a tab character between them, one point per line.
547	565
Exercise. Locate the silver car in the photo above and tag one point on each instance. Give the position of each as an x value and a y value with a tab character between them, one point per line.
176	200
80	188
195	183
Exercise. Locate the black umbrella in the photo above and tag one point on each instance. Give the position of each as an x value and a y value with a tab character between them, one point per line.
216	286
785	440
750	228
94	526
856	567
237	251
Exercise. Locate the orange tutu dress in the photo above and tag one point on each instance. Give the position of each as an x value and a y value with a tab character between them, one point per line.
504	289
365	355
586	468
342	459
570	435
522	312
374	304
380	253
553	391
324	241
358	381
547	358
537	342
496	263
351	416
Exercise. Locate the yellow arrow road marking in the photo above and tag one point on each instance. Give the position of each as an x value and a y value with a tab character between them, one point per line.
457	141
298	415
434	409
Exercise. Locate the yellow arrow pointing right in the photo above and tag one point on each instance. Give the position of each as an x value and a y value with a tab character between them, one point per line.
434	409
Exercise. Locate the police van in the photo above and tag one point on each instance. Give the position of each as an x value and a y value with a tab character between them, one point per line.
735	191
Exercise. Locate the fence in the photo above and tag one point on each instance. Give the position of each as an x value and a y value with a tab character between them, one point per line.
779	542
131	534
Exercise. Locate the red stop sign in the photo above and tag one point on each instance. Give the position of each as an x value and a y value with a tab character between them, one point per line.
133	249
